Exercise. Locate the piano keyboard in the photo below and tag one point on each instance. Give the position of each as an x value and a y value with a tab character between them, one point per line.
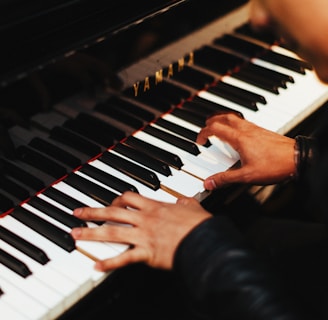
86	152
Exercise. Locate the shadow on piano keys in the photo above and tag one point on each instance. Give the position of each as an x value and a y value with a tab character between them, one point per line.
88	150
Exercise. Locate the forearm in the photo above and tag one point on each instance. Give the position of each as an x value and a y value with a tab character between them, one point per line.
225	278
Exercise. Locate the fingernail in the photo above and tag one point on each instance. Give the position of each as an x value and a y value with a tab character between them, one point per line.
77	212
76	232
210	184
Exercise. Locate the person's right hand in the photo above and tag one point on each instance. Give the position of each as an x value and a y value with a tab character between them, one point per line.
266	157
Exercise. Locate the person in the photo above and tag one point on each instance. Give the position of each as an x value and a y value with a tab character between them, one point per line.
264	269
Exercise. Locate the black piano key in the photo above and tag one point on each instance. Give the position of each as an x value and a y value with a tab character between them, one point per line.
240	45
108	179
193	78
287	62
124	106
183	144
93	190
121	115
100	125
56	213
217	60
51	232
143	175
42	162
184	132
257	80
91	133
55	152
280	77
62	198
14	264
6	204
75	141
238	95
171	159
264	35
143	158
189	116
1	292
23	245
252	50
17	172
211	107
13	188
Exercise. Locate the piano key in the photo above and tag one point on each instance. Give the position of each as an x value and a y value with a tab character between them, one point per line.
55	152
75	141
143	158
78	266
143	190
20	173
48	230
34	287
193	77
14	264
10	312
178	182
171	159
57	214
131	109
27	308
183	144
41	161
23	245
48	275
107	179
236	95
198	166
14	188
94	191
144	176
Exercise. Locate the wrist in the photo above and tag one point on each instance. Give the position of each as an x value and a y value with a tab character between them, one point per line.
304	154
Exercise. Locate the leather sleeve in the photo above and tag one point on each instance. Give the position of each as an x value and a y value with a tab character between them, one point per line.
225	279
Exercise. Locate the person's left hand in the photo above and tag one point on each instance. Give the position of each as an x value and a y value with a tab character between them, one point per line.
154	228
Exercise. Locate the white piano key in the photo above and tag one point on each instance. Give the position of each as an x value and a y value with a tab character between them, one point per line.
9	312
143	190
24	303
49	276
119	247
179	181
218	149
34	287
75	264
197	165
99	250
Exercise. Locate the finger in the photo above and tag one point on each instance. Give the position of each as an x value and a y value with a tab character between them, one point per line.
110	233
132	200
224	178
128	257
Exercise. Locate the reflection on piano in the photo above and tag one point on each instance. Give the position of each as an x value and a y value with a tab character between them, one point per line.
64	145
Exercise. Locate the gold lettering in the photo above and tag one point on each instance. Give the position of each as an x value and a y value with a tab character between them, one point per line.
147	84
181	64
136	88
159	76
191	60
170	71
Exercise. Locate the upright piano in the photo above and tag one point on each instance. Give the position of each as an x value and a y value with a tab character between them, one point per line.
100	97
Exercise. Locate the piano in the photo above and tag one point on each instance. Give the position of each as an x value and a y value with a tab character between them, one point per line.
98	98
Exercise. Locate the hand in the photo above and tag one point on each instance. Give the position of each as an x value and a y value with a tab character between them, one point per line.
266	157
154	228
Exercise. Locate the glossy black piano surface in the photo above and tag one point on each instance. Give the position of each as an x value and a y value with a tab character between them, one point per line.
64	67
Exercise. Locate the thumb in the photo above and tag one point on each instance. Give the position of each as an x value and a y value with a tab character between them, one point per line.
223	178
